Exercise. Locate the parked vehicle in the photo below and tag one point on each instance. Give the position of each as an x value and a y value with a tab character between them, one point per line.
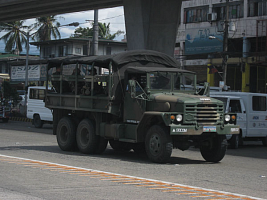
156	118
36	109
251	115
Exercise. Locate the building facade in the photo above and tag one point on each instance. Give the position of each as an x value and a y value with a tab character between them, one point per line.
200	42
78	47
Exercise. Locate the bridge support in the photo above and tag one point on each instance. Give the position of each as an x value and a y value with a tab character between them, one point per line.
152	24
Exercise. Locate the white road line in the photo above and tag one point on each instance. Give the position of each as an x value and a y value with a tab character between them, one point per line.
128	176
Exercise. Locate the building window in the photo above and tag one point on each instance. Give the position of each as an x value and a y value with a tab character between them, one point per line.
78	50
198	14
108	51
257	8
62	51
85	50
47	52
235	10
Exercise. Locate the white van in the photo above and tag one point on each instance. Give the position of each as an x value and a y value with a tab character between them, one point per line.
36	109
251	110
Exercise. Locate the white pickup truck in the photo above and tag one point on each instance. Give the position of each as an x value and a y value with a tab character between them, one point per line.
251	110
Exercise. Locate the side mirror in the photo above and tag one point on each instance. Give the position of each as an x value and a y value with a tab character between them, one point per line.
132	88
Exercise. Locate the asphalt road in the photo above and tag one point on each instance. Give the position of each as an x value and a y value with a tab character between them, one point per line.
49	173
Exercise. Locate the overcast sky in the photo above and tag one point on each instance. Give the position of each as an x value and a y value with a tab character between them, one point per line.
114	16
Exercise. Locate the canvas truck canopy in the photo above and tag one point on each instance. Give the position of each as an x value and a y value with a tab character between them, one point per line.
139	57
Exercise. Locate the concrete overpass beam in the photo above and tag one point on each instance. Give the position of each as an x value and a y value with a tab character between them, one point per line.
152	24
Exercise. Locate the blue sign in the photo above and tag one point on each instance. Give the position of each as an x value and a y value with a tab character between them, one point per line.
203	40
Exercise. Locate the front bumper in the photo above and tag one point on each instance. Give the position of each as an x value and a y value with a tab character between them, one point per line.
193	130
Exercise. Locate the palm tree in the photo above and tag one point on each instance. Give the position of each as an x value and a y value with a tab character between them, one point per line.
47	28
15	36
104	31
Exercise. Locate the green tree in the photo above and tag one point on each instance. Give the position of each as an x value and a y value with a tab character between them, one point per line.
15	36
83	32
47	28
104	32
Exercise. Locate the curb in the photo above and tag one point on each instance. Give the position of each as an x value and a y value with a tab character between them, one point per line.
21	119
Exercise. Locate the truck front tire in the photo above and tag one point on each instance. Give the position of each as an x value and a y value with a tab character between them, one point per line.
87	140
158	144
215	151
66	134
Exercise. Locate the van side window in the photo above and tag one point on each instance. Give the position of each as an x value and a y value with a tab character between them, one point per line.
37	94
235	106
259	103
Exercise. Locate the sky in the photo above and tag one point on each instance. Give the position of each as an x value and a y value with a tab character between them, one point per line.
114	16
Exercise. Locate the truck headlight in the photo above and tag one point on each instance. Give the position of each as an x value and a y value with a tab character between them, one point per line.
227	118
179	118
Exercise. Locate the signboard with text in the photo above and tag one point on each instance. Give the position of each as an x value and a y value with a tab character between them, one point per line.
35	73
197	41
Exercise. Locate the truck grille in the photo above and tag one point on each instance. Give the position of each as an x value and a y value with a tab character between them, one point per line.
203	114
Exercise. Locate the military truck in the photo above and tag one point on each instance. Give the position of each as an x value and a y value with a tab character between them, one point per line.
134	100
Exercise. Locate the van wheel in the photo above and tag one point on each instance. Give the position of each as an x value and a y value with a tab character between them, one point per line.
264	141
87	140
215	151
234	141
66	134
158	144
120	146
37	122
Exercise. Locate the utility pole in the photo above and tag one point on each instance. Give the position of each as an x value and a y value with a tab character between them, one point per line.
27	59
225	42
95	36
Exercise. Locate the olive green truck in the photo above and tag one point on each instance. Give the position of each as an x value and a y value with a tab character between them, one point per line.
136	100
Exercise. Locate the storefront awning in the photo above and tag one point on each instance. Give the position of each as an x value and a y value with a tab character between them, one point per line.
4	76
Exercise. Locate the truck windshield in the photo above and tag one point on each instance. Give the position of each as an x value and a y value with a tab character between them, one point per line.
184	81
160	80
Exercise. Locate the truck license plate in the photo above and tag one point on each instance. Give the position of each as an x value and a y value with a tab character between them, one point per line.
209	129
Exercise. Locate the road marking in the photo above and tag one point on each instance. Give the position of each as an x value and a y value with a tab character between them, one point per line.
152	184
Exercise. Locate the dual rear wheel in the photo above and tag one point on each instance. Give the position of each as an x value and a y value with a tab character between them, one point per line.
84	137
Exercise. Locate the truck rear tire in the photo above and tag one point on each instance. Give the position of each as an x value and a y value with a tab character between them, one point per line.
158	144
66	134
216	149
37	122
87	140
